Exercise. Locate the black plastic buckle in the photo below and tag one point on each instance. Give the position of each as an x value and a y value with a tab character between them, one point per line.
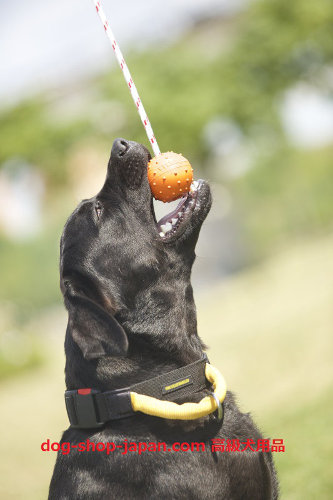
81	408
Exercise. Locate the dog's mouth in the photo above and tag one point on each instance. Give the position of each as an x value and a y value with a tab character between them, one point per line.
173	224
191	209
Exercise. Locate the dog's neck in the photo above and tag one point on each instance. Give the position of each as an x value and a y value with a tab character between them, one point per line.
164	317
163	345
162	334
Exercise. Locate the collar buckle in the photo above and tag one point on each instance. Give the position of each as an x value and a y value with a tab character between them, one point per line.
82	409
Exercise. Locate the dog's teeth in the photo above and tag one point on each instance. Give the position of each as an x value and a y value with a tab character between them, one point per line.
180	214
162	234
194	186
174	221
166	227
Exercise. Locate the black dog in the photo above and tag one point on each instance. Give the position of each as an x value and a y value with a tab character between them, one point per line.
126	285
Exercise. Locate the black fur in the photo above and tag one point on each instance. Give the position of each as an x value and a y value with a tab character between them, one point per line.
132	317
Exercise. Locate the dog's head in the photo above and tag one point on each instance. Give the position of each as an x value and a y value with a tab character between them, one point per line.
119	270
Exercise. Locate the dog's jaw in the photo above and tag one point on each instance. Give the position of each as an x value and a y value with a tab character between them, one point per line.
191	210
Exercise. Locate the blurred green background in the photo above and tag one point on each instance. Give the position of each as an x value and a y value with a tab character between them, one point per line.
247	96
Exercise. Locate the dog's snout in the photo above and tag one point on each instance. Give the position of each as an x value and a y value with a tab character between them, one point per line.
127	166
120	147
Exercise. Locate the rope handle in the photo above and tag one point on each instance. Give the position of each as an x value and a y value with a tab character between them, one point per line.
128	78
185	411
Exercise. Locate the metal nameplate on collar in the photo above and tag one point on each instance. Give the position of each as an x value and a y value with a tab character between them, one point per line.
81	408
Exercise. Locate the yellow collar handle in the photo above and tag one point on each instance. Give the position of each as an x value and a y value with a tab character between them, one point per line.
185	411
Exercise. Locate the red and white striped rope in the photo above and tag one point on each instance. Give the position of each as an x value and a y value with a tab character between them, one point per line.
128	78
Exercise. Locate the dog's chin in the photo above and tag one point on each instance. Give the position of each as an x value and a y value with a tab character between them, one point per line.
189	214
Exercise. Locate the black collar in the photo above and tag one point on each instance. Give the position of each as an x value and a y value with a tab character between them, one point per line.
89	408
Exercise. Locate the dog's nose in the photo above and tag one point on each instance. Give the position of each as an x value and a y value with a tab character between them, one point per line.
119	148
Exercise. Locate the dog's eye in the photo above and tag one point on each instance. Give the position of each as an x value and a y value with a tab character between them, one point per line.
68	285
98	209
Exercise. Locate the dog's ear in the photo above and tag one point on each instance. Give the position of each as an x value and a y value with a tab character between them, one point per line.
95	331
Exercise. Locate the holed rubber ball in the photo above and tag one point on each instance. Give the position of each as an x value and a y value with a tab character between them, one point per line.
170	176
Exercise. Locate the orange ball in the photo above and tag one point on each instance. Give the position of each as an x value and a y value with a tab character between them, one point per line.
170	176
